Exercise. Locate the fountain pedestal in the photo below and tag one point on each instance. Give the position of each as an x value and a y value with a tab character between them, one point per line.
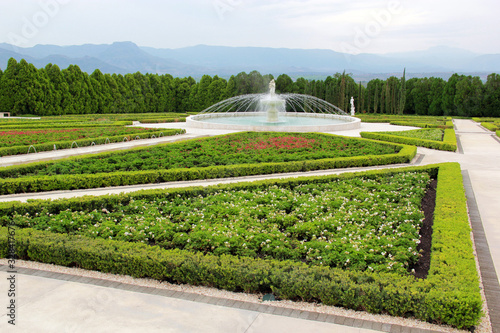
272	106
272	109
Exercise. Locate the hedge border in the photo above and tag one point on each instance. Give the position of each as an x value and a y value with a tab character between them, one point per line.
449	142
63	125
162	120
450	294
423	125
71	182
18	150
490	126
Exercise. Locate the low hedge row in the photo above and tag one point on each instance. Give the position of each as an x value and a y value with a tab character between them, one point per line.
71	182
423	125
486	119
490	126
449	142
18	150
162	120
453	267
450	294
35	125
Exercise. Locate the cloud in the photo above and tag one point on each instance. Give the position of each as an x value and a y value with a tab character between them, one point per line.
273	23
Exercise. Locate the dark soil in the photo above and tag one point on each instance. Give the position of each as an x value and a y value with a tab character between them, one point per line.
428	203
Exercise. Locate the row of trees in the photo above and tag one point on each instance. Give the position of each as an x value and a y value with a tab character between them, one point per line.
24	89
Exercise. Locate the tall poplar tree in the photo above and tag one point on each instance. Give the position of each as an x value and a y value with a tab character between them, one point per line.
402	94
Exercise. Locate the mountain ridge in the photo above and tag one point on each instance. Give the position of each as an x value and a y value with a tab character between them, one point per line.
127	57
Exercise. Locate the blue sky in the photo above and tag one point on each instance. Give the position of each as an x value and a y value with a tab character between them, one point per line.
365	26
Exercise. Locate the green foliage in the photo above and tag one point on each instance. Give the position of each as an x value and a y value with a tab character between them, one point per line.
407	120
52	91
490	126
449	142
364	223
9	138
17	150
98	170
449	295
427	134
453	266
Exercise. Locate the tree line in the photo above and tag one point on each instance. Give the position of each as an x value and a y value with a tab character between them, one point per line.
24	89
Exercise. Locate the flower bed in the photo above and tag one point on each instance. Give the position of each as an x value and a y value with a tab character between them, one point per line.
240	154
47	146
9	138
240	148
449	295
448	140
359	223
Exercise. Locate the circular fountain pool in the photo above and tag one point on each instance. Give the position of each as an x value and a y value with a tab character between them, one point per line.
274	112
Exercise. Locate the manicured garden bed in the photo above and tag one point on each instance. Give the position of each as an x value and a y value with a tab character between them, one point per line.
313	239
434	138
15	142
359	223
232	155
9	138
407	120
434	134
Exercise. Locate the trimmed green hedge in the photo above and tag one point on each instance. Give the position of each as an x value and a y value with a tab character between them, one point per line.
490	126
487	119
423	125
162	120
449	142
18	150
30	125
71	182
453	267
449	295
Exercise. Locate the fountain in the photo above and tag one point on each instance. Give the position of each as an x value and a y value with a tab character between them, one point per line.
271	104
274	112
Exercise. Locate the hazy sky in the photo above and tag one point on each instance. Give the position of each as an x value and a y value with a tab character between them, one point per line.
365	26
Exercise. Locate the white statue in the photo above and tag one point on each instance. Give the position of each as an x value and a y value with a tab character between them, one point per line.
272	87
352	106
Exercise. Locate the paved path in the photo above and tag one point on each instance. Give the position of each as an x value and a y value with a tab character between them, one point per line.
54	304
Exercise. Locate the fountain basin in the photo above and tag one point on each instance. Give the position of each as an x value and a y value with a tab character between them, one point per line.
288	122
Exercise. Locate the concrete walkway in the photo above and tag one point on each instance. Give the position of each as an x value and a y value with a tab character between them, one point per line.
52	303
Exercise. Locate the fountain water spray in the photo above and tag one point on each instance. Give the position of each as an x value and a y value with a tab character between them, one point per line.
274	112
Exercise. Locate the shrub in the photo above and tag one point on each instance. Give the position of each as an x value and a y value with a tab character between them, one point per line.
449	142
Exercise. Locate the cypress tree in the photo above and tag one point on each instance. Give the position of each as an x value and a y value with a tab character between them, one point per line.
402	94
9	87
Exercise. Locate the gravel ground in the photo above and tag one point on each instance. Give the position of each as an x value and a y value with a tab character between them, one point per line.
483	327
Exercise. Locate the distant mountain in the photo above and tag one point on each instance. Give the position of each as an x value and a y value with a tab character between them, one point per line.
484	63
127	57
441	57
231	60
119	57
